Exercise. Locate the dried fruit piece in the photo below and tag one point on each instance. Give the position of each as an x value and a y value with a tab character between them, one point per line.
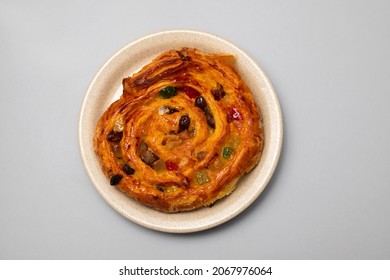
201	103
168	92
184	123
146	154
127	169
115	179
183	57
218	93
234	115
118	126
159	165
114	136
161	189
210	118
116	148
170	165
191	92
172	110
201	155
162	110
227	152
201	177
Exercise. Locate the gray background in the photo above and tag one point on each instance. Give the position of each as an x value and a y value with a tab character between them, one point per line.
330	64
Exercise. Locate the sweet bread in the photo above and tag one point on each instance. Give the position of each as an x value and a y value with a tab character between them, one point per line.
185	129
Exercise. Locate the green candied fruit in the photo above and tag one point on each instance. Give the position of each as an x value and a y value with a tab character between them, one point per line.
168	92
202	177
227	152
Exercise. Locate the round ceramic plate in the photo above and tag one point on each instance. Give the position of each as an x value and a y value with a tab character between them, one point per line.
107	87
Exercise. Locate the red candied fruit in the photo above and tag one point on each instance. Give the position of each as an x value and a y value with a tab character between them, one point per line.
191	93
234	115
171	165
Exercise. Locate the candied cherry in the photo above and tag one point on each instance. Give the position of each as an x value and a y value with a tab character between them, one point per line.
191	92
170	165
234	115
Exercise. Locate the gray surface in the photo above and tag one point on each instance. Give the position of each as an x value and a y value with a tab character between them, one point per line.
329	62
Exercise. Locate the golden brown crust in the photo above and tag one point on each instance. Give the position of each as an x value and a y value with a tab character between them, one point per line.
181	152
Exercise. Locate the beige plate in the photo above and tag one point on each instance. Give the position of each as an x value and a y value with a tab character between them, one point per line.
107	87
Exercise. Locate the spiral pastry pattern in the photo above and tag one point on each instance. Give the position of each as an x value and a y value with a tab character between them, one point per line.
185	129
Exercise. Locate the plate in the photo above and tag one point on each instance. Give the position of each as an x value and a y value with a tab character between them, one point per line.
106	87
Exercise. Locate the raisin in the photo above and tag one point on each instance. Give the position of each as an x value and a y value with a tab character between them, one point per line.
184	123
210	118
161	189
172	110
127	169
183	57
218	93
200	102
115	179
114	136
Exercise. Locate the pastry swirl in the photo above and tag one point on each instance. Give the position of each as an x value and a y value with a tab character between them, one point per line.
185	129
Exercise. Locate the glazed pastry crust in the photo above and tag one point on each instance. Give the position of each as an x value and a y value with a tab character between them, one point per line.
177	153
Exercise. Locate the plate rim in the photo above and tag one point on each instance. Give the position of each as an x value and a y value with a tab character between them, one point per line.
278	130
